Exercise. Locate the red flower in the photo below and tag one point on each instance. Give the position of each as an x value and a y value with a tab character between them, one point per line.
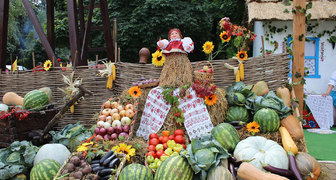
177	114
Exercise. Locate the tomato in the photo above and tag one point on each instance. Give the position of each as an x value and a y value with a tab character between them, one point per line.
179	139
154	141
165	139
165	133
184	146
159	153
161	138
151	148
171	137
165	146
178	132
153	135
151	153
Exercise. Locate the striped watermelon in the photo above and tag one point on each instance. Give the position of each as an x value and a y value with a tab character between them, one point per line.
226	135
135	171
45	170
237	113
35	99
267	119
174	168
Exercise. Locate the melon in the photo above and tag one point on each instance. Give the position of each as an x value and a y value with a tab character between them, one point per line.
57	152
174	168
135	171
35	99
237	113
219	173
267	119
45	170
226	135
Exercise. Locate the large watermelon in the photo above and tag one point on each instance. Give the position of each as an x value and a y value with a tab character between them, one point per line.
267	119
45	170
35	99
226	135
174	168
134	172
237	113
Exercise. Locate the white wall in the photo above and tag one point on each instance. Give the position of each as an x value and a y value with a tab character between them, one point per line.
326	68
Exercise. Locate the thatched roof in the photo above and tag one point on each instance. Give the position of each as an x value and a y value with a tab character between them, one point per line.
261	10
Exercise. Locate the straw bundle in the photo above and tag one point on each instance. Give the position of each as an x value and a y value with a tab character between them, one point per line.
218	111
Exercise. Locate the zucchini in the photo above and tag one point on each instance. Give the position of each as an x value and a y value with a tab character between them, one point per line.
107	155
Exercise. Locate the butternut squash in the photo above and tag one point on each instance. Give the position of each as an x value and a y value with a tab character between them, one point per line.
287	141
11	98
247	171
284	94
293	126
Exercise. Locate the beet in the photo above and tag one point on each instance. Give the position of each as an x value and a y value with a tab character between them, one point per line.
70	167
75	160
87	169
78	175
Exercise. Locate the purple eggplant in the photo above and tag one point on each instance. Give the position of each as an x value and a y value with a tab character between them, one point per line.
293	167
282	172
233	171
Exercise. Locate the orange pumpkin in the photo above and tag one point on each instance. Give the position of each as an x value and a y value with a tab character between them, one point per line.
308	166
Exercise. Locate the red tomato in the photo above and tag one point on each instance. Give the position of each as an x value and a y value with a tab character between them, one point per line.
154	141
153	135
165	146
151	148
151	153
178	132
179	139
161	138
184	146
165	139
171	137
159	153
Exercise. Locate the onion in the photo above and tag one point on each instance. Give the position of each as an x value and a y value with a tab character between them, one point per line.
114	136
118	130
107	137
114	111
130	113
97	130
102	131
106	112
106	125
123	134
125	121
110	130
98	138
122	113
116	123
126	128
109	119
107	104
102	118
100	123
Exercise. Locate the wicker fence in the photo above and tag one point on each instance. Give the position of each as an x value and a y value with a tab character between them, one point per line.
273	69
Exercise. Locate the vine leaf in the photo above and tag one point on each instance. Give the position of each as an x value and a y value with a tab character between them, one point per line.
297	75
301	37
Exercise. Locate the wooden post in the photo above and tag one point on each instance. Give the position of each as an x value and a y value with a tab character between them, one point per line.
4	8
299	32
107	29
33	55
96	60
51	23
262	45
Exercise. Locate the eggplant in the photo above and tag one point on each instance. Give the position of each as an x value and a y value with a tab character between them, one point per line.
106	177
293	167
105	172
95	161
107	155
237	127
234	123
94	165
98	168
233	160
109	159
233	171
114	162
282	172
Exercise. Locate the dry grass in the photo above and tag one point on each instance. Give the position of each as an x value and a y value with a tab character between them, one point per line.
218	111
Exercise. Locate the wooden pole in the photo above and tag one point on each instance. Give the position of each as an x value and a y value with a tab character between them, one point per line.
299	31
4	12
33	55
262	45
96	60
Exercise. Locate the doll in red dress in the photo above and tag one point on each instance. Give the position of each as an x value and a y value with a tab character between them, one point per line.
176	43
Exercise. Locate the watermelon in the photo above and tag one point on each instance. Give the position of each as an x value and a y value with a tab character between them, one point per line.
135	171
45	170
267	119
226	135
47	90
35	99
237	113
174	168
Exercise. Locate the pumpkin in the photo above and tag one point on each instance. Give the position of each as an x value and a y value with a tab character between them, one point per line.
284	94
293	126
260	88
259	150
11	98
247	171
308	166
57	152
287	141
219	173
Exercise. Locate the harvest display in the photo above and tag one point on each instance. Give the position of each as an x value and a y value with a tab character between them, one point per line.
181	126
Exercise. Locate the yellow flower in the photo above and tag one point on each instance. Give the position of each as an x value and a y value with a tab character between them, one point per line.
84	147
225	37
208	47
123	148
253	127
242	55
47	65
135	91
210	100
158	59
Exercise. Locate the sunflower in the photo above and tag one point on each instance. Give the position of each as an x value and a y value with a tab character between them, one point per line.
242	55
47	65
123	148
135	91
253	127
225	36
84	147
208	47
158	59
210	100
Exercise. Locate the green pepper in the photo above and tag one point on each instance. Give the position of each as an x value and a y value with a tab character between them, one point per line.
171	143
159	146
150	159
168	151
153	165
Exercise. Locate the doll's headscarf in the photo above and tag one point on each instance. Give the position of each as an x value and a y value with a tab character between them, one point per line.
174	29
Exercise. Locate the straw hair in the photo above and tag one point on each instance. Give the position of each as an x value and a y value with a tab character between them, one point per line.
218	111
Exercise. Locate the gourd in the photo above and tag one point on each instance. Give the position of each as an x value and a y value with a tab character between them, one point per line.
260	88
11	98
56	152
308	166
219	173
259	150
293	126
284	94
247	171
287	141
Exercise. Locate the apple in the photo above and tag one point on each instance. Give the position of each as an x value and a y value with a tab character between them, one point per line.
113	111
106	112
130	113
115	116
114	105
201	70
209	70
122	113
129	106
205	68
116	123
125	121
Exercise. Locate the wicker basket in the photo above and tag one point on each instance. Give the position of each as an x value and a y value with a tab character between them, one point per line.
204	76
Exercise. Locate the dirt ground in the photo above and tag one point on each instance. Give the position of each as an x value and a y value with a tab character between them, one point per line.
328	170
